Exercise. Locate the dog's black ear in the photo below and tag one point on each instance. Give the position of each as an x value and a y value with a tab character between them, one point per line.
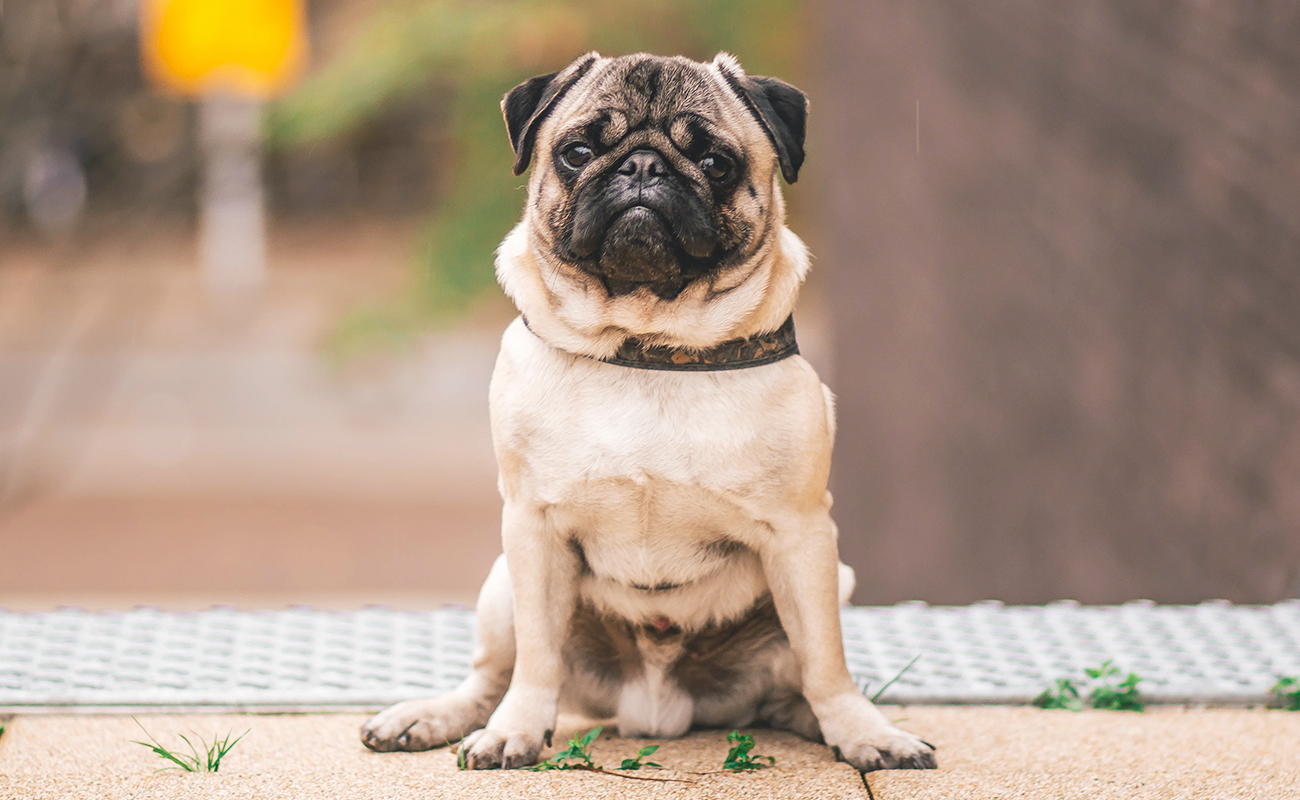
780	108
526	105
783	110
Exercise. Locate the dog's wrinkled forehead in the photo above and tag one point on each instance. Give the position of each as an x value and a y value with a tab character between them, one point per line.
648	93
652	93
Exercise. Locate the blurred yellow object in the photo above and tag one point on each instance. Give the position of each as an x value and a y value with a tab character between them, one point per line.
253	48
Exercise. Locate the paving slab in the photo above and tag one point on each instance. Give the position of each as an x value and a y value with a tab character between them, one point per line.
311	756
984	752
993	753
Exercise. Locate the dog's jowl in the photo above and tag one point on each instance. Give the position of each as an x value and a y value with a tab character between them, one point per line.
670	558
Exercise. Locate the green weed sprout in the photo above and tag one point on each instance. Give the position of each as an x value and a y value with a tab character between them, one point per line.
1287	691
194	761
576	756
1111	696
1105	694
738	757
1063	694
637	763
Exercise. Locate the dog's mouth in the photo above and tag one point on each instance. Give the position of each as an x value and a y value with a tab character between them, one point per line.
660	236
644	247
639	210
638	247
639	221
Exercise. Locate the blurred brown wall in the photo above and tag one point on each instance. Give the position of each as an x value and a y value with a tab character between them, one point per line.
1067	301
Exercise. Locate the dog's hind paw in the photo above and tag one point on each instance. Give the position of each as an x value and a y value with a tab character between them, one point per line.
423	724
496	749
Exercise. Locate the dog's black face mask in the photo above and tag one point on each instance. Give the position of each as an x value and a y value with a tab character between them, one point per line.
639	222
650	178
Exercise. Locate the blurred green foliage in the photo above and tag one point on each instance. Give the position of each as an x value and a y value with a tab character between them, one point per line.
479	50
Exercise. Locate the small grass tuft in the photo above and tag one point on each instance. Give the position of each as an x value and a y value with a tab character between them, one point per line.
462	757
194	761
875	697
1105	693
1287	691
637	763
738	757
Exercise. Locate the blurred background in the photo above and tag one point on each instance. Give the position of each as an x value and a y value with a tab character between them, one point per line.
1057	292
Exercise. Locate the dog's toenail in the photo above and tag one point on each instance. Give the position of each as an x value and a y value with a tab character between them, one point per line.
404	739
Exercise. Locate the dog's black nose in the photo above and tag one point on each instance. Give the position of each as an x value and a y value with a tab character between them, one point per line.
642	165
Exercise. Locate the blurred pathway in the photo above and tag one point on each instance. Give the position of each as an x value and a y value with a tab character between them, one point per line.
158	443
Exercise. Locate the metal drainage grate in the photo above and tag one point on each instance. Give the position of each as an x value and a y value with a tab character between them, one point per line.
224	658
1213	653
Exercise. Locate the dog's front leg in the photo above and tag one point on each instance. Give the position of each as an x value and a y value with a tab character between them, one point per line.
435	721
801	562
543	575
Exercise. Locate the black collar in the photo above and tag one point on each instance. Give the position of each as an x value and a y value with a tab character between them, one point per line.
765	348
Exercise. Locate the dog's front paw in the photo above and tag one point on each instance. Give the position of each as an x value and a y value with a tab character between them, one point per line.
891	748
423	724
862	736
516	732
491	748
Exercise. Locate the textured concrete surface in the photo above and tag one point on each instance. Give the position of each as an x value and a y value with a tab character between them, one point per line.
995	753
985	752
320	756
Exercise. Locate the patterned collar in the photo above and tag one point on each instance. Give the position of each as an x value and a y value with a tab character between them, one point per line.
765	348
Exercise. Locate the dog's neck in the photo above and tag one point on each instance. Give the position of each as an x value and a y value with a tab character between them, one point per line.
754	351
574	313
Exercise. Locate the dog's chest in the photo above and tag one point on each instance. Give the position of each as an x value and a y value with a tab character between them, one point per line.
573	430
694	456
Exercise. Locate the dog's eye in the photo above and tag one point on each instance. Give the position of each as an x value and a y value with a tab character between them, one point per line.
576	155
717	167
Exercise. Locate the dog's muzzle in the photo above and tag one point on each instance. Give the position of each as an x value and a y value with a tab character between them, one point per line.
643	222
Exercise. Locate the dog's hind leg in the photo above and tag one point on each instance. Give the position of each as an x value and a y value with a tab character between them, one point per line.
784	707
433	722
790	712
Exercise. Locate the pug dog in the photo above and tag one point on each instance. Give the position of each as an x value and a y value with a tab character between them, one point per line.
669	554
